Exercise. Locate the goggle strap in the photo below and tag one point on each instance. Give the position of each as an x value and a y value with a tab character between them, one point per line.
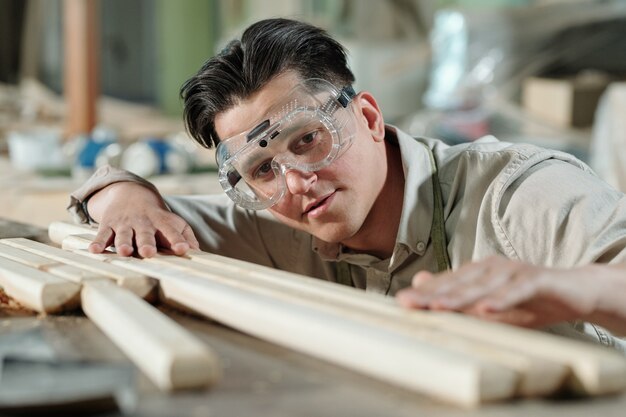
346	95
257	129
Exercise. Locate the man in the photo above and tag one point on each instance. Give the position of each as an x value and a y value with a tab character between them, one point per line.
317	184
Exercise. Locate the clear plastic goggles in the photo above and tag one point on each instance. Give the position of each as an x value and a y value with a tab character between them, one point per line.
310	127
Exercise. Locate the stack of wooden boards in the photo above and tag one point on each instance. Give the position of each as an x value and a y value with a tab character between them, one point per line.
446	355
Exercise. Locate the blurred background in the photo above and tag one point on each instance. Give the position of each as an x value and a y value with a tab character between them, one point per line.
85	83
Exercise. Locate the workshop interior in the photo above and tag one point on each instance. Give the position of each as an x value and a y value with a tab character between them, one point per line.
90	83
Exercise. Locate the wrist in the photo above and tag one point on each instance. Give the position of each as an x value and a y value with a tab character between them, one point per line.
85	208
610	284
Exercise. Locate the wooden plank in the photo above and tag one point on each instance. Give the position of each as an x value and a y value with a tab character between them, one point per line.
169	355
74	274
382	353
595	369
36	289
77	242
538	377
140	284
57	231
52	266
25	257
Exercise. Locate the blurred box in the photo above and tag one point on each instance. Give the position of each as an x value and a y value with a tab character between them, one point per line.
564	102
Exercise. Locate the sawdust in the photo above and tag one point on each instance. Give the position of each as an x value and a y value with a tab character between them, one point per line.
11	308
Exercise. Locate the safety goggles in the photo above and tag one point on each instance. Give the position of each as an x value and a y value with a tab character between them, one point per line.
306	131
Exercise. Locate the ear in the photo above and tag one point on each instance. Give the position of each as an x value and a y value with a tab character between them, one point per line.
367	111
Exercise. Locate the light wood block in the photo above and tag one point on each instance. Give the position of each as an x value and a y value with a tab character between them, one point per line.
52	266
169	355
77	242
74	274
25	257
595	370
140	284
37	290
57	231
538	377
382	353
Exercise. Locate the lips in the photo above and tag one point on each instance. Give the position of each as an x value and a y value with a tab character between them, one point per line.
317	203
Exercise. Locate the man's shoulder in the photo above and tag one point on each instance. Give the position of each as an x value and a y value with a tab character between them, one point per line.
488	152
487	157
489	147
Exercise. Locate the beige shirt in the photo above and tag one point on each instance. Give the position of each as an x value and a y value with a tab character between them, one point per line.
516	200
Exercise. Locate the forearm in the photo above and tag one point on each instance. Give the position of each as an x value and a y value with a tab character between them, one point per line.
610	308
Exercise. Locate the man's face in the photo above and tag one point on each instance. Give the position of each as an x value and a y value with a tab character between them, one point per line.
333	203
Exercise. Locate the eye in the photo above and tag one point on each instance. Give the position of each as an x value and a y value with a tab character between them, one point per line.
264	171
307	141
309	137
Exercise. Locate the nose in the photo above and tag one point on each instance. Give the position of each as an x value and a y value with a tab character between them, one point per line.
299	182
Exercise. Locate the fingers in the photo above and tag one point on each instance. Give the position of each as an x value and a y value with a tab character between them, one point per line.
502	290
447	290
190	237
172	237
145	239
103	239
495	279
515	316
509	296
124	242
145	242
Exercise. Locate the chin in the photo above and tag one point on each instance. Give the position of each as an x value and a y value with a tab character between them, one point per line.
335	233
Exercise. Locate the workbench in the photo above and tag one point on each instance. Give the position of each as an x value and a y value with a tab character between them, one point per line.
260	378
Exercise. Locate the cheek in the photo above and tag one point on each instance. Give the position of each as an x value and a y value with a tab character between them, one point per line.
284	210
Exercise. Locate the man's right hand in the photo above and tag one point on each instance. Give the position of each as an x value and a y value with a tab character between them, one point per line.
135	218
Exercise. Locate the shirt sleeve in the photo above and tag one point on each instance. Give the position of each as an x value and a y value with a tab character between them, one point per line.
558	214
102	178
254	236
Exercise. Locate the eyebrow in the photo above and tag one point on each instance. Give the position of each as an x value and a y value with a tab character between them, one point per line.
251	159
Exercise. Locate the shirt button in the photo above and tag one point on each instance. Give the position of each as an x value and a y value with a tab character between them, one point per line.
421	246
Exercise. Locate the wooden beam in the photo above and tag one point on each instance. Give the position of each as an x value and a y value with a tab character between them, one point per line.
383	353
595	369
169	355
57	231
77	242
538	377
140	284
37	290
52	266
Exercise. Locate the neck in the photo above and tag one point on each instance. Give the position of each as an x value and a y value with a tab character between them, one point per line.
380	229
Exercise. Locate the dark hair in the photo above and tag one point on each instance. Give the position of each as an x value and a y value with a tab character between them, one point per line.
266	49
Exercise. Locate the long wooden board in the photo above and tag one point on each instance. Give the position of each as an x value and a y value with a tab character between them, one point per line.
593	370
168	354
385	354
537	376
57	231
137	283
52	266
37	290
